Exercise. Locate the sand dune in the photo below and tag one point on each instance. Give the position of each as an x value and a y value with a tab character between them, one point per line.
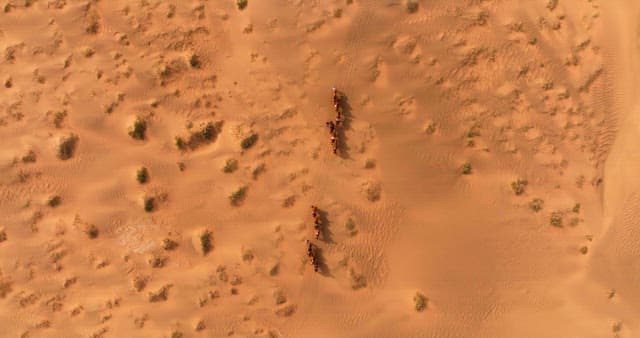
483	185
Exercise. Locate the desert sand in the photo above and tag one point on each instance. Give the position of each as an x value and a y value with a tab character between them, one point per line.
160	158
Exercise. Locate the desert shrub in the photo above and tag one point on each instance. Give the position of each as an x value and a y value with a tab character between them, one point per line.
556	219
412	6
518	186
536	204
149	204
92	231
161	295
419	302
176	334
3	236
238	196
370	164
54	201
30	157
180	143
357	280
258	171
139	129
230	166
181	166
350	225
584	250
247	255
139	283
67	147
157	261
373	192
59	118
194	61
142	175
205	242
576	208
169	244
249	141
466	168
552	4
242	4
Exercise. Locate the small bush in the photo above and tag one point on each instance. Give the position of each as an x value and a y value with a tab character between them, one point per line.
242	4
194	61
54	201
230	166
370	164
169	244
536	204
180	143
139	283
258	171
149	204
205	242
466	168
92	231
350	225
518	186
420	302
247	255
584	250
556	219
138	130
67	147
3	236
59	118
412	6
249	141
142	175
576	208
181	166
30	157
238	196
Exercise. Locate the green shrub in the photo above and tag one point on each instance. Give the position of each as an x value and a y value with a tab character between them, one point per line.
412	6
30	157
576	208
249	141
92	231
54	201
142	175
230	166
180	143
556	219
536	204
242	4
205	242
149	204
370	164
238	196
138	129
420	302
518	186
466	168
67	147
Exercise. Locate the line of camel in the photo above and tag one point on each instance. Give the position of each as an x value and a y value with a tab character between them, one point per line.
313	251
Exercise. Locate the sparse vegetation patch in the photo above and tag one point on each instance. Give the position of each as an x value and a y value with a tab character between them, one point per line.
419	302
67	147
556	219
139	129
142	175
230	166
518	186
466	168
249	141
536	204
205	242
238	196
242	4
54	201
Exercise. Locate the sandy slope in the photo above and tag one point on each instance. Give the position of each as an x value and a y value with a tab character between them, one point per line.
537	90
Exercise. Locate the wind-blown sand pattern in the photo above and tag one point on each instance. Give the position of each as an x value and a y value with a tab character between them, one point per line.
484	183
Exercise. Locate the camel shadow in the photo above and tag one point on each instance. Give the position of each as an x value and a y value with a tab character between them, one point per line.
343	148
325	233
